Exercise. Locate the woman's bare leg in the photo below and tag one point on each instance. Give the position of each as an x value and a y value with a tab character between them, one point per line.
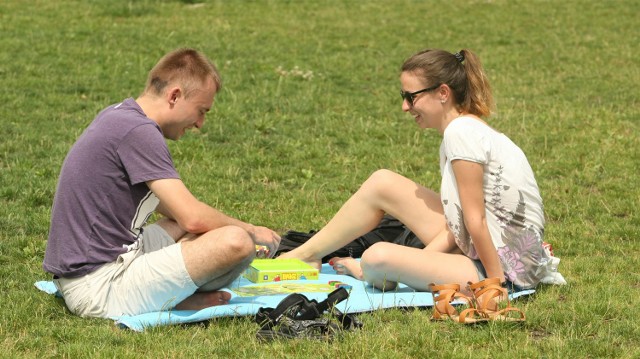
348	266
386	264
383	192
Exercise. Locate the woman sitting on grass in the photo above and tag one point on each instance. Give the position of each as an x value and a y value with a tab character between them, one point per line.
487	221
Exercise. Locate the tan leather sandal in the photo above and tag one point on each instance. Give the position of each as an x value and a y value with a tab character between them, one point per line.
490	297
443	295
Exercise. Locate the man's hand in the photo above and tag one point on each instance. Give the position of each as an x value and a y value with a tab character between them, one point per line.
264	236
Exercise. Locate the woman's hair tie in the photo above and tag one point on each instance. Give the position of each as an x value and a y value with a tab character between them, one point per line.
459	56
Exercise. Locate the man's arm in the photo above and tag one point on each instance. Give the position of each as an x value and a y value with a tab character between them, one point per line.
163	211
194	216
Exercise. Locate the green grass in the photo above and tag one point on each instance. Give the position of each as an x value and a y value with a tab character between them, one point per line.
285	150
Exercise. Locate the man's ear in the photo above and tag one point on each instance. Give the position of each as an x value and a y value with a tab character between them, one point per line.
173	95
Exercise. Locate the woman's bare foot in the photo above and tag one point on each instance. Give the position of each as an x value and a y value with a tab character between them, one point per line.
315	263
348	266
201	300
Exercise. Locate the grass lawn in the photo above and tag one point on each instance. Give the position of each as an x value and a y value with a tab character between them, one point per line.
310	107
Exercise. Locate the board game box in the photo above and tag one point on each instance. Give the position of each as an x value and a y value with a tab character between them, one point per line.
276	270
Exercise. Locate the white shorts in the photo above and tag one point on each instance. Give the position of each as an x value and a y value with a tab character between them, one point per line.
149	278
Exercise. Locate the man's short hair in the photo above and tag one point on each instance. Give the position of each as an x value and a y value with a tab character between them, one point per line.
186	67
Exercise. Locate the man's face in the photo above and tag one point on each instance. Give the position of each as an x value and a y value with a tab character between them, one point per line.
186	113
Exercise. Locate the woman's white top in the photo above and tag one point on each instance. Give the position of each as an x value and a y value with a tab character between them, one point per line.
514	209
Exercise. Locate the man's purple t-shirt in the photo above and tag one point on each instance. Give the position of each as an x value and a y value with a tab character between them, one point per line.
102	200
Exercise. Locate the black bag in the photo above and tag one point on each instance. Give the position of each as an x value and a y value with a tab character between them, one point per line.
389	230
296	316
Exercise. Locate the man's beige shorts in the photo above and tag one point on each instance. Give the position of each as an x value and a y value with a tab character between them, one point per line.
149	278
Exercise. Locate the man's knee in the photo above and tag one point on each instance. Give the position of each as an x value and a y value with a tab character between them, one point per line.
236	241
230	244
218	254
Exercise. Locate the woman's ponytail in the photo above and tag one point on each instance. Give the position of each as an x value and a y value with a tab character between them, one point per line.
461	71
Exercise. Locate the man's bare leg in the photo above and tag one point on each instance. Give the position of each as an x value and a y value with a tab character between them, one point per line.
201	300
213	260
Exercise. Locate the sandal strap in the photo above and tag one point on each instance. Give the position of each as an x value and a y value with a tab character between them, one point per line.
440	287
448	293
484	283
485	294
485	291
502	314
444	292
443	295
472	315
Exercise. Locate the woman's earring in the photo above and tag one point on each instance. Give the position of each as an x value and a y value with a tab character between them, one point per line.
443	101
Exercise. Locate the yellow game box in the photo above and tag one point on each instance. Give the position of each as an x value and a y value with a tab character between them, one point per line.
276	270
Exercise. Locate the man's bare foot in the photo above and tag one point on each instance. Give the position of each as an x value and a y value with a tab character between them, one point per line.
348	266
201	300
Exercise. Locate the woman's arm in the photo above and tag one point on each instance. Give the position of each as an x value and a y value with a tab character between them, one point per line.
469	178
443	242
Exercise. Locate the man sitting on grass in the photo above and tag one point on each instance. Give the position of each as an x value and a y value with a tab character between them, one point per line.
105	258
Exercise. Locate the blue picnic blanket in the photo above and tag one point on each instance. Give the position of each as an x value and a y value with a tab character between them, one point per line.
247	298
